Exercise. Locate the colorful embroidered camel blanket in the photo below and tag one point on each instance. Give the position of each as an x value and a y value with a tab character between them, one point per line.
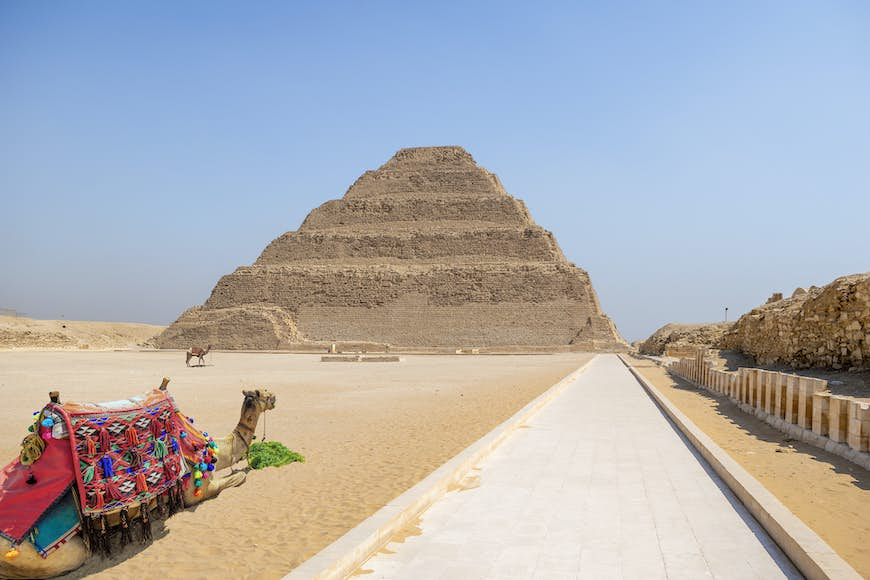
114	455
126	454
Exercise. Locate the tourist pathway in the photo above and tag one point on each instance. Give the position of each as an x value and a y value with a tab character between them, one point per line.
599	485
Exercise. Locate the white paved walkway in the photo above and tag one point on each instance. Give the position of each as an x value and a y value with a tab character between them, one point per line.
598	486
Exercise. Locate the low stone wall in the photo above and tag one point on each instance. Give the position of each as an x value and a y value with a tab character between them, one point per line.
799	406
358	358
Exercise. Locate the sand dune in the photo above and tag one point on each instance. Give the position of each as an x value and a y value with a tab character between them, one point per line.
17	332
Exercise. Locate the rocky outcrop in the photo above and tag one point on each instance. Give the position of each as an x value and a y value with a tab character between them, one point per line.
427	250
679	339
820	327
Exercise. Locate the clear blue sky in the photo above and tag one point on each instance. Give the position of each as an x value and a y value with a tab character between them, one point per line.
689	155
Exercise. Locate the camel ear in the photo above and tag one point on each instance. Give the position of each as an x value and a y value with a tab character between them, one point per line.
258	393
248	393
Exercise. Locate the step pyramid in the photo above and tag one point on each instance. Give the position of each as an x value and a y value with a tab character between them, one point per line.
429	250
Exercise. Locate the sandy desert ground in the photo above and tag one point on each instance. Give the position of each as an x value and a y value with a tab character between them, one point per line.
368	430
830	494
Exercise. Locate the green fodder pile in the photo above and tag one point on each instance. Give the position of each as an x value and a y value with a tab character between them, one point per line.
271	454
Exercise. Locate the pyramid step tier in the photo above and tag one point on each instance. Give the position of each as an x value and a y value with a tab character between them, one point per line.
453	246
424	210
293	286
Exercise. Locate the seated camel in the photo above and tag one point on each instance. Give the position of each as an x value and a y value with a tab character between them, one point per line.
24	561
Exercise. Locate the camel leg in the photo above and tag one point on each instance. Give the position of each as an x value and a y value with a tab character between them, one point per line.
29	564
214	485
187	360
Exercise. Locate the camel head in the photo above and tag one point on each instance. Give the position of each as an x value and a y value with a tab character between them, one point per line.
259	399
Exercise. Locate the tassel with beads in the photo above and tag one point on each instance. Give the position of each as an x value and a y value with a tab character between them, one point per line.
126	536
105	441
88	475
176	503
87	535
106	466
145	522
135	458
112	491
155	428
141	484
162	508
105	546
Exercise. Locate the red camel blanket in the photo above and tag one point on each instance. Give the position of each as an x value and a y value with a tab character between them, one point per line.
21	503
117	455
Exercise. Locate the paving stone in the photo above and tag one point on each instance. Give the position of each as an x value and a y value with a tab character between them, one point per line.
613	492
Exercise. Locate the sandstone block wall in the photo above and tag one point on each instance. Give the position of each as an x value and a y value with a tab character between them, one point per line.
426	251
800	406
821	327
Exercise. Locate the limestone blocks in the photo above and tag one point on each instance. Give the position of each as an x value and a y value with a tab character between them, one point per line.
821	327
792	403
428	250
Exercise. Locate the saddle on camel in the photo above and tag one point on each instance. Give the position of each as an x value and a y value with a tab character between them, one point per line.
90	471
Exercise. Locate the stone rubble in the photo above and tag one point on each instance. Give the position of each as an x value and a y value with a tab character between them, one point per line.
826	327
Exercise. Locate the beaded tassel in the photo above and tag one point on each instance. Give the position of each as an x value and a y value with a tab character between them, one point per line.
145	521
92	445
126	537
105	441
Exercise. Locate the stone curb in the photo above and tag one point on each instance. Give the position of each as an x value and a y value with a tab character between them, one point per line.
341	558
812	555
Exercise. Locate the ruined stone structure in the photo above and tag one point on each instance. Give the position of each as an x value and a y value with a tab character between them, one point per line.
678	340
818	327
429	250
799	406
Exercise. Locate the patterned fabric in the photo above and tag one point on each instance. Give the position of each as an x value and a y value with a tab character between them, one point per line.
124	455
26	492
56	526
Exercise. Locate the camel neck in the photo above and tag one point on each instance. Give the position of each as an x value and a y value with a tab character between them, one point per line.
248	425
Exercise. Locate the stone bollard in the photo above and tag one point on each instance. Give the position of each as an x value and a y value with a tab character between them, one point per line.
772	387
838	418
779	395
858	425
767	391
806	388
791	399
753	387
821	418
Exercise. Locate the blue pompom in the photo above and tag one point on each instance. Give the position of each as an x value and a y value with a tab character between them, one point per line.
184	435
211	466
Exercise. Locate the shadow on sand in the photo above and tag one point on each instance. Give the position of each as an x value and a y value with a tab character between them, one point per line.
756	428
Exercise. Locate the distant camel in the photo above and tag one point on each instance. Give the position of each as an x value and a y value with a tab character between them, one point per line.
198	352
